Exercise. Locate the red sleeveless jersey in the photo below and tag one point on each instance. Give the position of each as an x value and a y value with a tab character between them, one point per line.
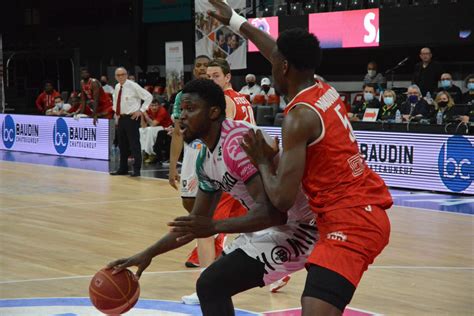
335	175
243	108
105	103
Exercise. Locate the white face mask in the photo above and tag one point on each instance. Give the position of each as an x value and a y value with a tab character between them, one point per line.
371	73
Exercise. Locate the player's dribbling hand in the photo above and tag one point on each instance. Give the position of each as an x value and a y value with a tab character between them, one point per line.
258	150
223	11
192	227
140	260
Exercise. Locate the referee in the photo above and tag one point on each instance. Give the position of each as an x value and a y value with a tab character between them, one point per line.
129	109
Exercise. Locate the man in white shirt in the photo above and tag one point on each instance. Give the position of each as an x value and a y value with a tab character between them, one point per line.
251	88
60	108
104	81
129	110
266	88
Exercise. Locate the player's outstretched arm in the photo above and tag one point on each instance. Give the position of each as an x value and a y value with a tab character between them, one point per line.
300	128
204	206
223	13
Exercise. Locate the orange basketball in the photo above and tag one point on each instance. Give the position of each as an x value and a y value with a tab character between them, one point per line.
114	294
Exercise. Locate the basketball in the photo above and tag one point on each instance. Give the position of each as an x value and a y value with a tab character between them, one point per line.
114	293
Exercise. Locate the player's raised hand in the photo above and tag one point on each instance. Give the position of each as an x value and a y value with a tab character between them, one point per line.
256	147
140	260
222	13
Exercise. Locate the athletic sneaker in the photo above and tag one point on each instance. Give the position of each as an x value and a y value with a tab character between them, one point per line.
277	285
192	299
193	259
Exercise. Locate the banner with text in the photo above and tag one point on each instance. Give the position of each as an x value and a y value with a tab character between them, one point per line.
216	40
417	161
55	136
174	67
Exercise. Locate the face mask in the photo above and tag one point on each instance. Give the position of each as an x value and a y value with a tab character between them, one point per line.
388	100
266	88
251	84
442	104
445	83
371	73
413	98
368	96
59	105
470	85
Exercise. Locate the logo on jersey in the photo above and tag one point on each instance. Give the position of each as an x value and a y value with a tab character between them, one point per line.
337	236
280	255
455	163
60	136
8	132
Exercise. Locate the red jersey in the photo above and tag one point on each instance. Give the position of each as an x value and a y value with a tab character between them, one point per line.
45	101
243	108
335	175
161	116
105	102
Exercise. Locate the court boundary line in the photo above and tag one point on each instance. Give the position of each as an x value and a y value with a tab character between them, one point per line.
84	297
198	270
70	168
85	203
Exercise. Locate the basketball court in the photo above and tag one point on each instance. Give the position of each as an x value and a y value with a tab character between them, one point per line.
60	224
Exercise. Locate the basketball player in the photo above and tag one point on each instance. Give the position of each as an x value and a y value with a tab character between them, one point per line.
237	106
93	94
207	248
253	259
321	152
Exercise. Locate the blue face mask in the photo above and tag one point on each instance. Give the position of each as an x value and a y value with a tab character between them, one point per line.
388	100
368	96
470	85
445	83
413	98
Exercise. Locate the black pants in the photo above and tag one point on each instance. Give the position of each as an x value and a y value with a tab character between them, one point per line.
162	146
230	274
129	142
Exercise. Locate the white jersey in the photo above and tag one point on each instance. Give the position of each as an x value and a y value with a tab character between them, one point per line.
228	168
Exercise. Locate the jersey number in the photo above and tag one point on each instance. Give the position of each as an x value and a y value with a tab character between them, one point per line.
345	122
248	111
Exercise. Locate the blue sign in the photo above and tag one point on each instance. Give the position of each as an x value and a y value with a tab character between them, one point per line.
455	163
8	132
60	135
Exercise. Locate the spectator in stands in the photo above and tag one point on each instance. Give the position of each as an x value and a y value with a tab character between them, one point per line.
415	107
443	103
447	85
427	72
369	100
154	121
374	77
252	88
75	101
389	107
60	108
468	97
131	78
266	88
104	81
45	100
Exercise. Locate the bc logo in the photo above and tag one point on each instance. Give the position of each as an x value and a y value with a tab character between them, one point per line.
60	135
456	163
8	132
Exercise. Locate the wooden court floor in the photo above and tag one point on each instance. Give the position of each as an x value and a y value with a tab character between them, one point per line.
59	226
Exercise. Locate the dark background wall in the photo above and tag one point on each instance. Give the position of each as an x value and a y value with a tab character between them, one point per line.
49	36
